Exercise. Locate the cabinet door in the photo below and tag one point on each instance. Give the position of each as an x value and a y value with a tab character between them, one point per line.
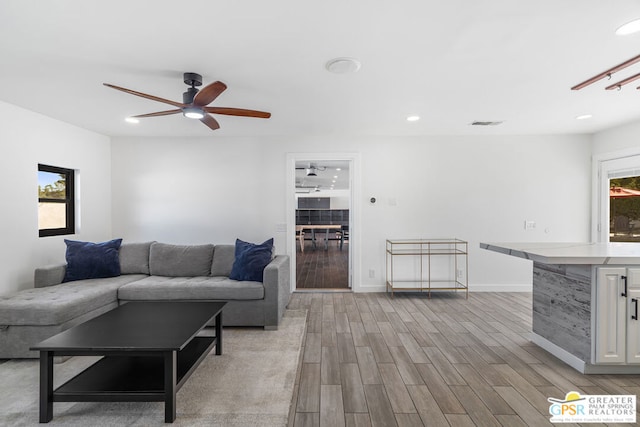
633	325
610	333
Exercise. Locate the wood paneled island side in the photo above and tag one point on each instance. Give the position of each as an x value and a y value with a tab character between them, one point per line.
585	296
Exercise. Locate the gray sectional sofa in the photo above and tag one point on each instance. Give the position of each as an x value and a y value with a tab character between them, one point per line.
149	271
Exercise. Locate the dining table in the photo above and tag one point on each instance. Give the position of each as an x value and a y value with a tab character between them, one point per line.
300	229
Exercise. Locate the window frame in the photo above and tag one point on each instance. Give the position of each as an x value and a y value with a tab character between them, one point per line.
69	201
617	164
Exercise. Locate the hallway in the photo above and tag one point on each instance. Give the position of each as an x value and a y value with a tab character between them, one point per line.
322	269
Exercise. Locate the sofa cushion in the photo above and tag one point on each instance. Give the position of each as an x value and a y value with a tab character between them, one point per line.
87	260
250	260
180	260
223	256
57	304
134	258
190	288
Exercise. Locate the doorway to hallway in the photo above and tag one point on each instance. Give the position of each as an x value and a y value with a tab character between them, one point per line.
323	224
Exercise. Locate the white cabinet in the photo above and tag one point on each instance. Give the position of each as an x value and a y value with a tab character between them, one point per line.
617	332
633	328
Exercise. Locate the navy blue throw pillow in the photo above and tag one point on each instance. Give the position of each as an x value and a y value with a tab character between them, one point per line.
86	260
251	259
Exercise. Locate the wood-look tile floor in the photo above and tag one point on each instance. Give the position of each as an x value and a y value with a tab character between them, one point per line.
322	268
369	360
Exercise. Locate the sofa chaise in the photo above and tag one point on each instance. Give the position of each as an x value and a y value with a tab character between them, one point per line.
149	271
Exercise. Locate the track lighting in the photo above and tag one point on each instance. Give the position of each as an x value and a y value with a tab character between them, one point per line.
608	74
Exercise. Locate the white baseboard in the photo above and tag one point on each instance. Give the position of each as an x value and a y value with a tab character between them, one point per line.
500	288
370	288
580	365
472	288
560	353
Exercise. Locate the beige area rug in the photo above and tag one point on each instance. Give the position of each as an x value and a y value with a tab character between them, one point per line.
251	384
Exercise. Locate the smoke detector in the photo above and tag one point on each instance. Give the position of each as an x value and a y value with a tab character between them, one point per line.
343	65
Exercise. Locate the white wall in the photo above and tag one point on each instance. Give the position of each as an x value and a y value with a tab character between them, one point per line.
27	139
197	190
620	138
474	188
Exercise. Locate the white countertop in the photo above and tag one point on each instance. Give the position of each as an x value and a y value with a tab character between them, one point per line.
571	252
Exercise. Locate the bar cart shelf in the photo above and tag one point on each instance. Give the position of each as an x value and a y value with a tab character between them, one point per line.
425	252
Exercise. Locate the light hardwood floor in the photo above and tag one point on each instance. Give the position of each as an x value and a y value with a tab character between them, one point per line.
369	360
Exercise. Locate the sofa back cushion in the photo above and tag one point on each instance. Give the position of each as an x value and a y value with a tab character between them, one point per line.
180	260
223	257
134	258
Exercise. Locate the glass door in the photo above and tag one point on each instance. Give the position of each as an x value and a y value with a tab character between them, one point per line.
619	200
624	209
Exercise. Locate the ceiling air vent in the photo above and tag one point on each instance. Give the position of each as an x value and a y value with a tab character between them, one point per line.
479	123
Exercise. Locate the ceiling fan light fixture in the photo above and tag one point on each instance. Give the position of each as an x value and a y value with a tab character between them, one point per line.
629	28
193	113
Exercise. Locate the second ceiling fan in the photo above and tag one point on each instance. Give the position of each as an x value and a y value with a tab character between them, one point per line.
194	102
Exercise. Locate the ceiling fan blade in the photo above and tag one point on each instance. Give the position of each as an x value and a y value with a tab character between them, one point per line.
238	112
144	95
210	121
208	93
159	113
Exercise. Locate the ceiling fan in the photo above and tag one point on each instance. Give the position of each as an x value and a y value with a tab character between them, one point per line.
194	102
312	169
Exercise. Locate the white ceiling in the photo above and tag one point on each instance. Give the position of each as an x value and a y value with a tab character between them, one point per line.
330	175
451	62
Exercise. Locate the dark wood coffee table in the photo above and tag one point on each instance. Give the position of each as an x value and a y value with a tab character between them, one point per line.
150	349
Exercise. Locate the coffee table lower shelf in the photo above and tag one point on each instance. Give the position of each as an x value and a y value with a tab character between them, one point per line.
132	378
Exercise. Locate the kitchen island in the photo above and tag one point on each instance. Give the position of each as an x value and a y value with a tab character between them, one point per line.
585	302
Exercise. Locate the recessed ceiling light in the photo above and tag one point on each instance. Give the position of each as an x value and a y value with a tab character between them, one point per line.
131	120
629	28
335	176
413	118
343	65
584	117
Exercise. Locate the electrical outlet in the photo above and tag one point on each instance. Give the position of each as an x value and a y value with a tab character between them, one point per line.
529	225
372	273
459	273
